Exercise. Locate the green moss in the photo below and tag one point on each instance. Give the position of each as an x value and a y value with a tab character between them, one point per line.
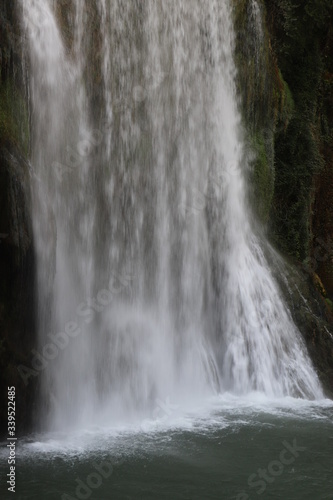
286	102
329	303
253	59
261	101
262	178
14	123
300	37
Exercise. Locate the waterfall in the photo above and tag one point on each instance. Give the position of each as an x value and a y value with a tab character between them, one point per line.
151	281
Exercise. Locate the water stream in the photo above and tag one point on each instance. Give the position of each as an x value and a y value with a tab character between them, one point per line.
152	283
169	364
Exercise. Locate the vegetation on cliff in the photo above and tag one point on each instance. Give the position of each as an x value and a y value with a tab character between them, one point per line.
301	37
284	55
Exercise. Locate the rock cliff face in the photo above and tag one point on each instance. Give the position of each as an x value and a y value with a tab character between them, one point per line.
301	39
17	272
284	53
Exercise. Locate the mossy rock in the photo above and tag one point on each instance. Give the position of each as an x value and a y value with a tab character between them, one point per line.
262	178
14	123
319	285
286	102
329	303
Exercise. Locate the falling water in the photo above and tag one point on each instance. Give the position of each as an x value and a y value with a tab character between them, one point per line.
146	254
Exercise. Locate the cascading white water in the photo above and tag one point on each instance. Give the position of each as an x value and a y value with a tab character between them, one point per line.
141	192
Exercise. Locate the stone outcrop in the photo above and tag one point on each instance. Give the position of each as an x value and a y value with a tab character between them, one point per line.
17	270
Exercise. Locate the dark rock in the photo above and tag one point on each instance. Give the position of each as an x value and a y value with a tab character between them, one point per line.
17	268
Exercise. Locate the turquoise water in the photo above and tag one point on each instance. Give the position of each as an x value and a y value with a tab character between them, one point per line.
214	452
